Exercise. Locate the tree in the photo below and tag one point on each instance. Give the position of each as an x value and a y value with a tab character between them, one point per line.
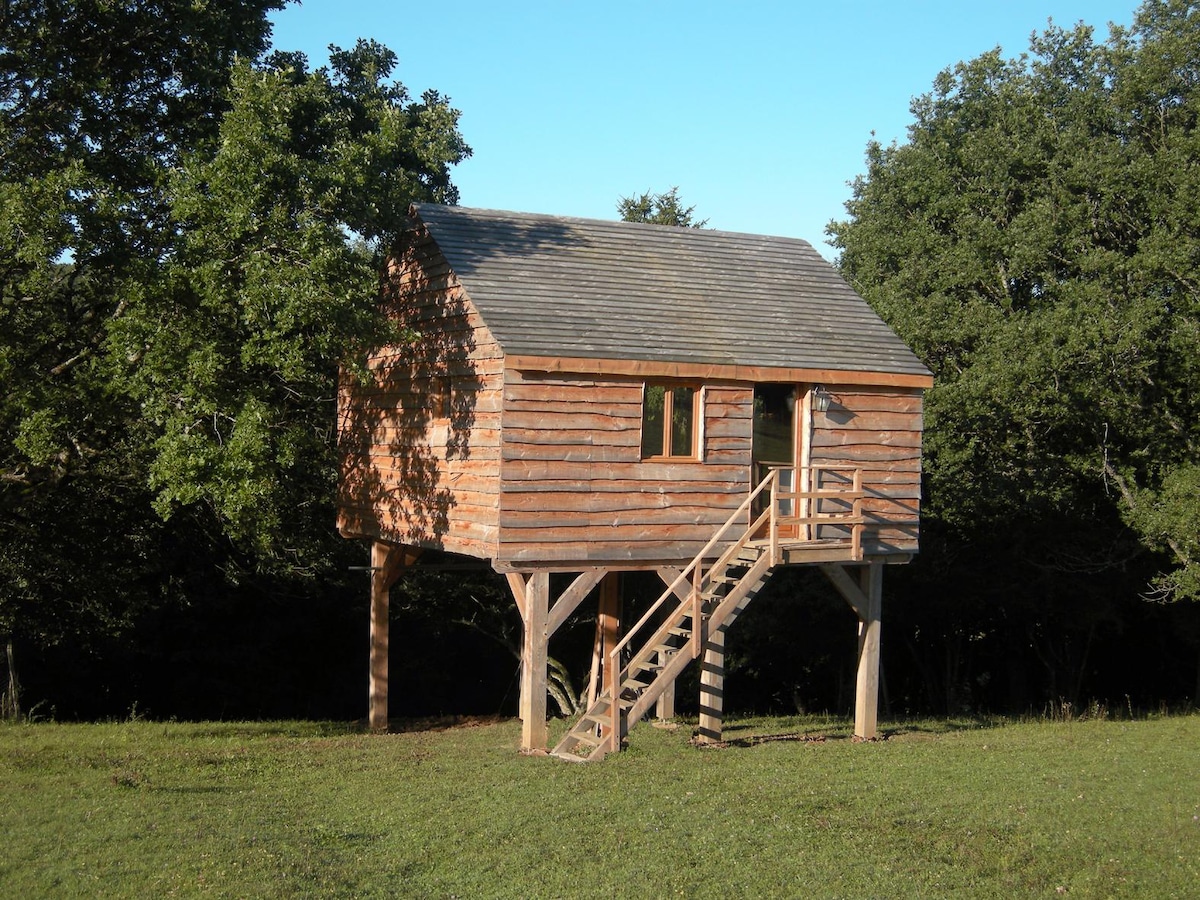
283	232
658	209
99	101
190	240
1036	241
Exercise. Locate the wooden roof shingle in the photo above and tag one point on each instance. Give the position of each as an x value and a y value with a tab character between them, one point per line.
552	286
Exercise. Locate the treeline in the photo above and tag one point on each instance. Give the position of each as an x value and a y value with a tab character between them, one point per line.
191	227
1036	241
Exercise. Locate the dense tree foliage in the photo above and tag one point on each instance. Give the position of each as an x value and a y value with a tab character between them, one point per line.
190	240
232	351
1037	242
99	102
659	209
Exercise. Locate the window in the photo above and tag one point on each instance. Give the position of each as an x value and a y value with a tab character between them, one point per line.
670	421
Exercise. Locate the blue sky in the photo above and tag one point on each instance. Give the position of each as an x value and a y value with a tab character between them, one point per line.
759	111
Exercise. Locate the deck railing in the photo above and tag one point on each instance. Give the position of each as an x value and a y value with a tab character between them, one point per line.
798	513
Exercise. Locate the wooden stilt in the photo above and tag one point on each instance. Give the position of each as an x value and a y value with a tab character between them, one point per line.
387	561
533	663
664	707
608	630
866	597
866	692
712	686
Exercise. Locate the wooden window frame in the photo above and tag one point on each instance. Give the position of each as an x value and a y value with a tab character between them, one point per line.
669	388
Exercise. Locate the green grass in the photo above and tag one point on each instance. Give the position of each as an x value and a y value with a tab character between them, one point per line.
1083	809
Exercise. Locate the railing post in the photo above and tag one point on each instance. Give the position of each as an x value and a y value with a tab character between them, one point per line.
697	612
810	505
773	528
856	530
613	670
815	486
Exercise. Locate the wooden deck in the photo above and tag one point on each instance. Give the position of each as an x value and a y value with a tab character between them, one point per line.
799	553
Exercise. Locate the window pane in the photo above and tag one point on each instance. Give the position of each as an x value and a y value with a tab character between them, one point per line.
652	420
681	421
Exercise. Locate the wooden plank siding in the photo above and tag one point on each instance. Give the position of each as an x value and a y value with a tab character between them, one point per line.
420	443
878	429
574	486
455	445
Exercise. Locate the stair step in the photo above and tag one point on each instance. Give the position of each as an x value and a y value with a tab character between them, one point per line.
567	756
584	736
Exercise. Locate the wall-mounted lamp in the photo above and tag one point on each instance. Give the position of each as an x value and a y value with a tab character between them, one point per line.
820	398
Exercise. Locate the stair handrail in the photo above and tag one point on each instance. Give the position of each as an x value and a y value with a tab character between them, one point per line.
613	667
683	575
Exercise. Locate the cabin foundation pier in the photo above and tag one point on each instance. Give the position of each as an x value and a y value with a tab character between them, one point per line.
531	592
712	687
534	650
866	598
608	631
388	561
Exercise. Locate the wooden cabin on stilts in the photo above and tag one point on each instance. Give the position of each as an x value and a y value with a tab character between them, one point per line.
593	397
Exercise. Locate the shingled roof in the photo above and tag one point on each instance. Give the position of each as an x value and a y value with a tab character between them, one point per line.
552	286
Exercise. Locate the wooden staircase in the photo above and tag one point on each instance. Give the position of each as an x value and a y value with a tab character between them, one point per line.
701	599
704	599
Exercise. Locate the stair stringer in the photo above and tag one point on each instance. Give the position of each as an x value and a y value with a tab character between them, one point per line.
722	610
728	609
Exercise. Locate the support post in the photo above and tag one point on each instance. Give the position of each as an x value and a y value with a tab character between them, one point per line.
387	561
533	663
608	631
664	706
712	685
866	692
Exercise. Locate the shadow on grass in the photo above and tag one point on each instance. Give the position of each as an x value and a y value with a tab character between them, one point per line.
195	789
753	733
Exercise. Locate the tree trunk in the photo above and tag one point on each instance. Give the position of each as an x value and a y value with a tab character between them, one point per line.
10	707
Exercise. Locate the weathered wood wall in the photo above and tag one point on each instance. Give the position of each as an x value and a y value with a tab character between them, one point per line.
448	447
420	443
878	429
574	486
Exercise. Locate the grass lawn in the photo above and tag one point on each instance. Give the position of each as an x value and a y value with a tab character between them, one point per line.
1096	808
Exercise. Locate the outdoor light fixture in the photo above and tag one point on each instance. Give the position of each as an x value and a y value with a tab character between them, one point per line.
820	398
